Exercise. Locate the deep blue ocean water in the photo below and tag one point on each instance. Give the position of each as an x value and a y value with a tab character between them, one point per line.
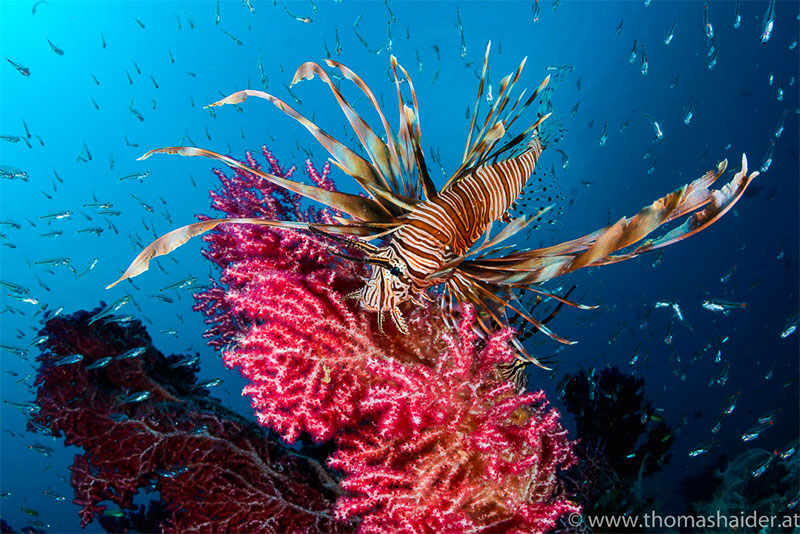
736	109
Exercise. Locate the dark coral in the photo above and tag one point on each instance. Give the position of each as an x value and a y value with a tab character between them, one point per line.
213	469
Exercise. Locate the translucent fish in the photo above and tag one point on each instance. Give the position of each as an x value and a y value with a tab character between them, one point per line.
604	135
769	22
717	424
767	161
136	176
791	326
138	396
708	28
111	308
22	69
120	319
779	129
737	18
209	383
656	126
727	276
39	340
16	288
788	451
674	83
67	360
619	28
761	468
718	305
188	282
671	33
42	449
652	168
15	350
135	112
722	377
635	355
633	53
793	44
703	448
755	431
644	62
668	337
185	362
54	262
55	496
713	61
689	114
677	309
24	407
536	10
770	372
55	49
769	417
132	353
102	362
12	173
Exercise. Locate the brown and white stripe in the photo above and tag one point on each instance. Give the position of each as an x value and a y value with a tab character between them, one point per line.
447	225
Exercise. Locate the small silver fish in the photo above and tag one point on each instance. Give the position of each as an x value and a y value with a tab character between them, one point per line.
769	22
708	28
101	362
209	383
132	353
703	448
111	308
185	362
671	33
67	360
138	396
755	431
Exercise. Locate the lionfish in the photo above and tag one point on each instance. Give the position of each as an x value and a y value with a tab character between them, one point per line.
417	237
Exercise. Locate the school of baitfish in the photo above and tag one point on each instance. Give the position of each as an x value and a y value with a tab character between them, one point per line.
97	216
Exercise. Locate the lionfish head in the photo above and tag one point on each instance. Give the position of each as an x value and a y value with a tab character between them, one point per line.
387	287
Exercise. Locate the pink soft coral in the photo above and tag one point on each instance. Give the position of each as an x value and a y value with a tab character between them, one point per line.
429	436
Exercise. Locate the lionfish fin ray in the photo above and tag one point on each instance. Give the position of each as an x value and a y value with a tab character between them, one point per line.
174	239
354	205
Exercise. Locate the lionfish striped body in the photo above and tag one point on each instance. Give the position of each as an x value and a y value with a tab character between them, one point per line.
429	236
441	229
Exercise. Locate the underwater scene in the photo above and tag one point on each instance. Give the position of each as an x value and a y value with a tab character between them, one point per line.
395	266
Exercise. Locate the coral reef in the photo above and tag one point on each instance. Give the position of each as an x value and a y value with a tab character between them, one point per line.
388	432
429	436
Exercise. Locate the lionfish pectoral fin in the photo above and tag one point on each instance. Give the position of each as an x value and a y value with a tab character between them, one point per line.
378	151
399	321
174	239
598	248
347	160
354	205
413	126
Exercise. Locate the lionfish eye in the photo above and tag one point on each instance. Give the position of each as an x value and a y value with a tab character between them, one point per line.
395	270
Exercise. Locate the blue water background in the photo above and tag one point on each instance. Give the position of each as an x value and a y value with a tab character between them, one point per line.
734	106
